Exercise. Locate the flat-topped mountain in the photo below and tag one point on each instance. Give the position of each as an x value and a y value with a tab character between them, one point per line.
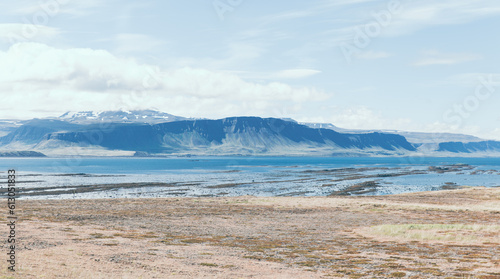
123	133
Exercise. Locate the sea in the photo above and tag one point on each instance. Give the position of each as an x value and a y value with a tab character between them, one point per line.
126	177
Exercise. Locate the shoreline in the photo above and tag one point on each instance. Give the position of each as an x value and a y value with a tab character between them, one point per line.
233	180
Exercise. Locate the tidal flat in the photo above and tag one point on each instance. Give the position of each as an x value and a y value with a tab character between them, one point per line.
262	181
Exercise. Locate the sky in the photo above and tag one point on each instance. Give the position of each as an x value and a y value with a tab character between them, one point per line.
413	65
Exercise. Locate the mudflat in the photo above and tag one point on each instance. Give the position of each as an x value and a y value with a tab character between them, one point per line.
441	234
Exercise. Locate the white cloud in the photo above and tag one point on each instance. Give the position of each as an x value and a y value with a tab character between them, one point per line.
364	118
476	79
310	10
416	15
38	76
474	130
441	127
360	118
34	10
288	15
437	58
234	55
494	135
295	73
337	3
16	32
129	43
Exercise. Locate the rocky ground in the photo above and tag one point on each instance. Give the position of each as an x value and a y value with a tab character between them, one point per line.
251	237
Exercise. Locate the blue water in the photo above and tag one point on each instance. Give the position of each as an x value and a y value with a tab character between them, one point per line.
259	176
154	165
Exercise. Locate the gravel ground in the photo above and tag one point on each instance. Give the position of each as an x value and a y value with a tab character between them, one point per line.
251	237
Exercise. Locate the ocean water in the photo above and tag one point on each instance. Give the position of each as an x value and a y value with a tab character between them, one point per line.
55	178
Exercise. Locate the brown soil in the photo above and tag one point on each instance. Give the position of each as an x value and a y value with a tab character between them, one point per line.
251	237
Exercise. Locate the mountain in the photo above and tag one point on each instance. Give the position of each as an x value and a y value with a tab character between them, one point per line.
22	154
34	131
413	137
153	133
470	147
7	126
122	116
229	136
432	144
236	136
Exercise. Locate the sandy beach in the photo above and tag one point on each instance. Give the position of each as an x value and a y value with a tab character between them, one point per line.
441	234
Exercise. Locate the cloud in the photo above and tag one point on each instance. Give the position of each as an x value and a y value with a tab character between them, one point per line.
336	3
364	118
235	55
437	58
16	32
310	10
360	117
295	74
475	79
495	134
422	14
39	66
34	10
474	130
278	75
288	15
38	76
412	16
127	43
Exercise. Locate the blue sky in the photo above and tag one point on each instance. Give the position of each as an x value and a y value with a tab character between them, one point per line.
415	65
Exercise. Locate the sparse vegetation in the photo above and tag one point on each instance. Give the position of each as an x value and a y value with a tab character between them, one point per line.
463	233
209	264
423	235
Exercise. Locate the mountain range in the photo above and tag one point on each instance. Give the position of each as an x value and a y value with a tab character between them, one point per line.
153	133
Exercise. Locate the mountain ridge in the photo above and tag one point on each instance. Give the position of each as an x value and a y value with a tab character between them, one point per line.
153	132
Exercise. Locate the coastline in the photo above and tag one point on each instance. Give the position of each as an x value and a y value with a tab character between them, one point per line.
233	177
262	237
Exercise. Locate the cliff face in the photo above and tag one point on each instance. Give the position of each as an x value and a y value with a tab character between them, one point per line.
470	147
228	136
235	135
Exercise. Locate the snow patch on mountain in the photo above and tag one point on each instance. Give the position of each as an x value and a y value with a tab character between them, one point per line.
121	116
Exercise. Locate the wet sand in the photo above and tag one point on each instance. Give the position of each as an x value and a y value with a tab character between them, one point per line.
253	237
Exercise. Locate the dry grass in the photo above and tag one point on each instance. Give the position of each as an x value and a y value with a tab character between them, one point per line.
461	233
422	235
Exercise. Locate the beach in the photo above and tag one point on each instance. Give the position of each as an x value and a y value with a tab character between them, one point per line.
437	234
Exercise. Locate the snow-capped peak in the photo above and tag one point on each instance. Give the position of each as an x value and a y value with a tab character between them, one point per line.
120	116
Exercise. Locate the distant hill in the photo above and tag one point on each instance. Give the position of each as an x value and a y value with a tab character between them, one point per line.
413	137
236	136
22	154
152	133
470	147
7	126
